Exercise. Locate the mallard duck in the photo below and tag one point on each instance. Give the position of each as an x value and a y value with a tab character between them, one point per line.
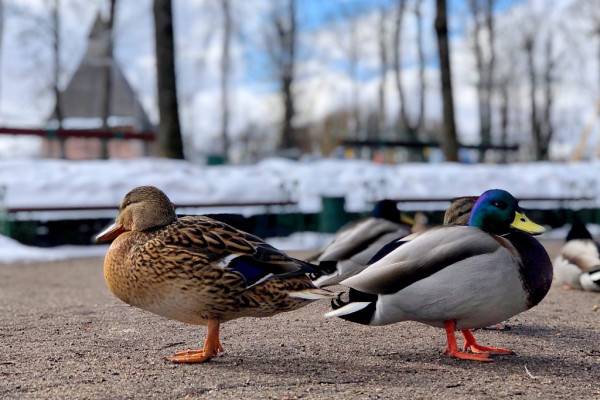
198	270
578	264
364	242
356	243
456	277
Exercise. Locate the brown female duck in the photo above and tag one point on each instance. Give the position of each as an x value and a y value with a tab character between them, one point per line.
198	270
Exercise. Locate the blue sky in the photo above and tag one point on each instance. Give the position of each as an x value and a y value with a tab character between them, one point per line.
317	14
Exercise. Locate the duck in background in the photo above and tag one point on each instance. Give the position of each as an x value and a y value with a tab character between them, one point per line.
460	210
198	270
456	277
357	242
363	242
578	264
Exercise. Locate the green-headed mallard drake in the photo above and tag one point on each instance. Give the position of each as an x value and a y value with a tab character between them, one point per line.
578	264
198	270
456	277
362	243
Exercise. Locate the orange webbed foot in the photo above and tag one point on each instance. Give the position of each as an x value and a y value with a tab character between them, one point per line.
483	357
471	344
212	347
190	357
478	349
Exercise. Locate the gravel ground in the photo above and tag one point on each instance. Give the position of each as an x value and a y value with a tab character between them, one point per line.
63	335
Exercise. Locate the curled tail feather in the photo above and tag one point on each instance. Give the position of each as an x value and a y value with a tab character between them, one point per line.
360	307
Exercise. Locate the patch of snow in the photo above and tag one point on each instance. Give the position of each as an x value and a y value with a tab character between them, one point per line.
61	183
301	241
12	252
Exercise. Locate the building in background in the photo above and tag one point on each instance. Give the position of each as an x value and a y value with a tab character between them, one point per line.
83	104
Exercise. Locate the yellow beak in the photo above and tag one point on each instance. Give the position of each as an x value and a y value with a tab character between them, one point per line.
522	223
407	219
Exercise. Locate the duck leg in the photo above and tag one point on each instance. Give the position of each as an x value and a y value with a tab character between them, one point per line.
212	346
471	344
452	349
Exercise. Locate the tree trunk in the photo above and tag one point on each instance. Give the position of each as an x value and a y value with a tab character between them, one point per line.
1	46
548	127
108	68
225	72
535	126
491	67
598	59
405	124
449	139
169	132
484	67
56	45
504	117
404	121
422	62
353	60
286	42
383	65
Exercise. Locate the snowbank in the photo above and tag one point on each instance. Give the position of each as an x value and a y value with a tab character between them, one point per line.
301	241
12	251
81	183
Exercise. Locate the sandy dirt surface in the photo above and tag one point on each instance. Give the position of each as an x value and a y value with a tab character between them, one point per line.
63	335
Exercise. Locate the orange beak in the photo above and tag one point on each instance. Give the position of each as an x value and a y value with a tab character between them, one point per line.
110	233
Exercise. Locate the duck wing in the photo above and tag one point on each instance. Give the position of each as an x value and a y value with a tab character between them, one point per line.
358	237
423	256
204	242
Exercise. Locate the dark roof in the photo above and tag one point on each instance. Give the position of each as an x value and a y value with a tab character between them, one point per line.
83	96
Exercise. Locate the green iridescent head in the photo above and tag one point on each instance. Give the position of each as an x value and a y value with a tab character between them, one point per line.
497	211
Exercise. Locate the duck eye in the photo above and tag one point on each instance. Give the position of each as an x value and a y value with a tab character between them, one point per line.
499	204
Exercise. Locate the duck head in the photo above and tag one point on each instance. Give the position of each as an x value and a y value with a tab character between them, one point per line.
497	211
143	208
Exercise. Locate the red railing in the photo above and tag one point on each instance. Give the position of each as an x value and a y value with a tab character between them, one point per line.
117	133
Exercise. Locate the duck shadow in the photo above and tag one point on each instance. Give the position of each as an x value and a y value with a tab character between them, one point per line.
383	369
544	331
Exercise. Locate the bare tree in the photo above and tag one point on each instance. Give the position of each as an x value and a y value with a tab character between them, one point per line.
382	38
1	45
540	116
169	132
589	10
225	73
350	42
421	57
449	138
546	124
349	13
108	69
483	23
406	123
56	63
504	90
281	44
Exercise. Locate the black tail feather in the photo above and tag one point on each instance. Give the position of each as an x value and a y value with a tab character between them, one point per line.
362	316
323	268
